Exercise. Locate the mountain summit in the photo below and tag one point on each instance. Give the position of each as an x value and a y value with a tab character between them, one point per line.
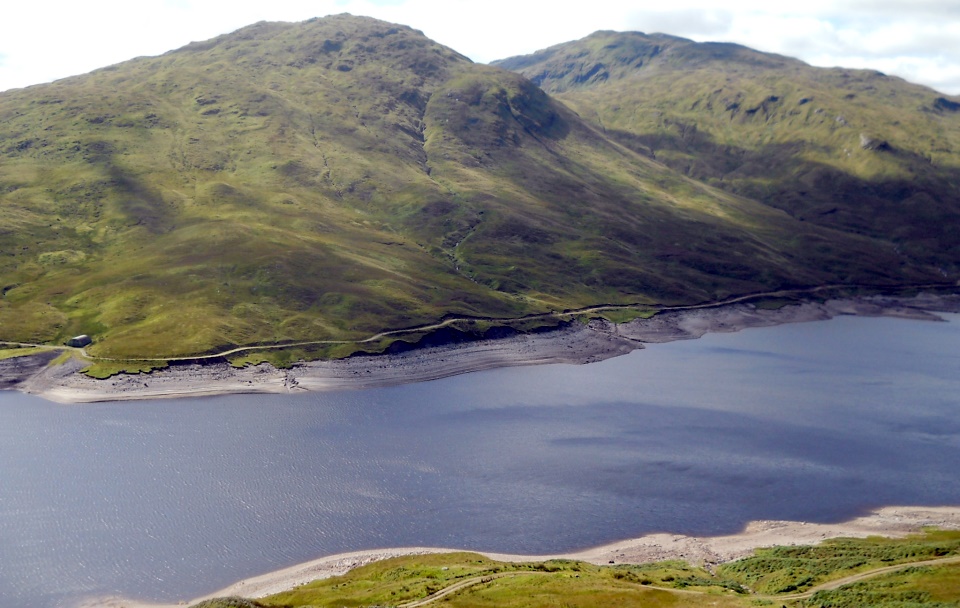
337	177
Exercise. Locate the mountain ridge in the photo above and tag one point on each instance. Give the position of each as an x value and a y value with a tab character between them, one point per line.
337	177
842	148
633	51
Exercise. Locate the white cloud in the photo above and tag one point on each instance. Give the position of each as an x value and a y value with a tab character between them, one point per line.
914	39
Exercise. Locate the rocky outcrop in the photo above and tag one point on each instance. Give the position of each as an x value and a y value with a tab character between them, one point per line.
873	144
942	103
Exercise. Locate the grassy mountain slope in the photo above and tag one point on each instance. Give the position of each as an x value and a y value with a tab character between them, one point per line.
337	177
853	150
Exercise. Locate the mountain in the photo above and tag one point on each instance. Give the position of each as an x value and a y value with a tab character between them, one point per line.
852	150
337	177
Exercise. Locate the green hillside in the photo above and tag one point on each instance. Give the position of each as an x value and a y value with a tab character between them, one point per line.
919	570
337	177
853	150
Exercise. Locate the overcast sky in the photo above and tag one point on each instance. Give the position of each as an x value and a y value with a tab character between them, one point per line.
42	40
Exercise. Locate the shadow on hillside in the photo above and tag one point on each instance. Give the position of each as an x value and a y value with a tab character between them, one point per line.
917	214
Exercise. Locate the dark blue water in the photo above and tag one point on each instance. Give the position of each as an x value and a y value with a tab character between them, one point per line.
168	500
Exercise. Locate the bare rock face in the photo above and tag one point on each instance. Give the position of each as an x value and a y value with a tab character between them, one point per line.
942	103
873	144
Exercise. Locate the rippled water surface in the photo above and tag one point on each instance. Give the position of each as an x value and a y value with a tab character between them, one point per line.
172	499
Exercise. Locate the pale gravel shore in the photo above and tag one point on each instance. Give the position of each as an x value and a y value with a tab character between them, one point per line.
707	551
575	343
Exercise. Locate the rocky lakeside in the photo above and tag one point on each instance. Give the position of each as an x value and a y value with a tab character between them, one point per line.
574	343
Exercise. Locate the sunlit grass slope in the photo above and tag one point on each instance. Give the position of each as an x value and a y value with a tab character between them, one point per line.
337	177
778	576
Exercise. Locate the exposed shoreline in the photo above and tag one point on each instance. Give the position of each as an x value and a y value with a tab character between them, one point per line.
887	521
595	341
576	344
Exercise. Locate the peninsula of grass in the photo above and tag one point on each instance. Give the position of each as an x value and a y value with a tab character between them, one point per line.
772	577
403	580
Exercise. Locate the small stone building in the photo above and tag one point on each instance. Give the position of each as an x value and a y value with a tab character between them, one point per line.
79	341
